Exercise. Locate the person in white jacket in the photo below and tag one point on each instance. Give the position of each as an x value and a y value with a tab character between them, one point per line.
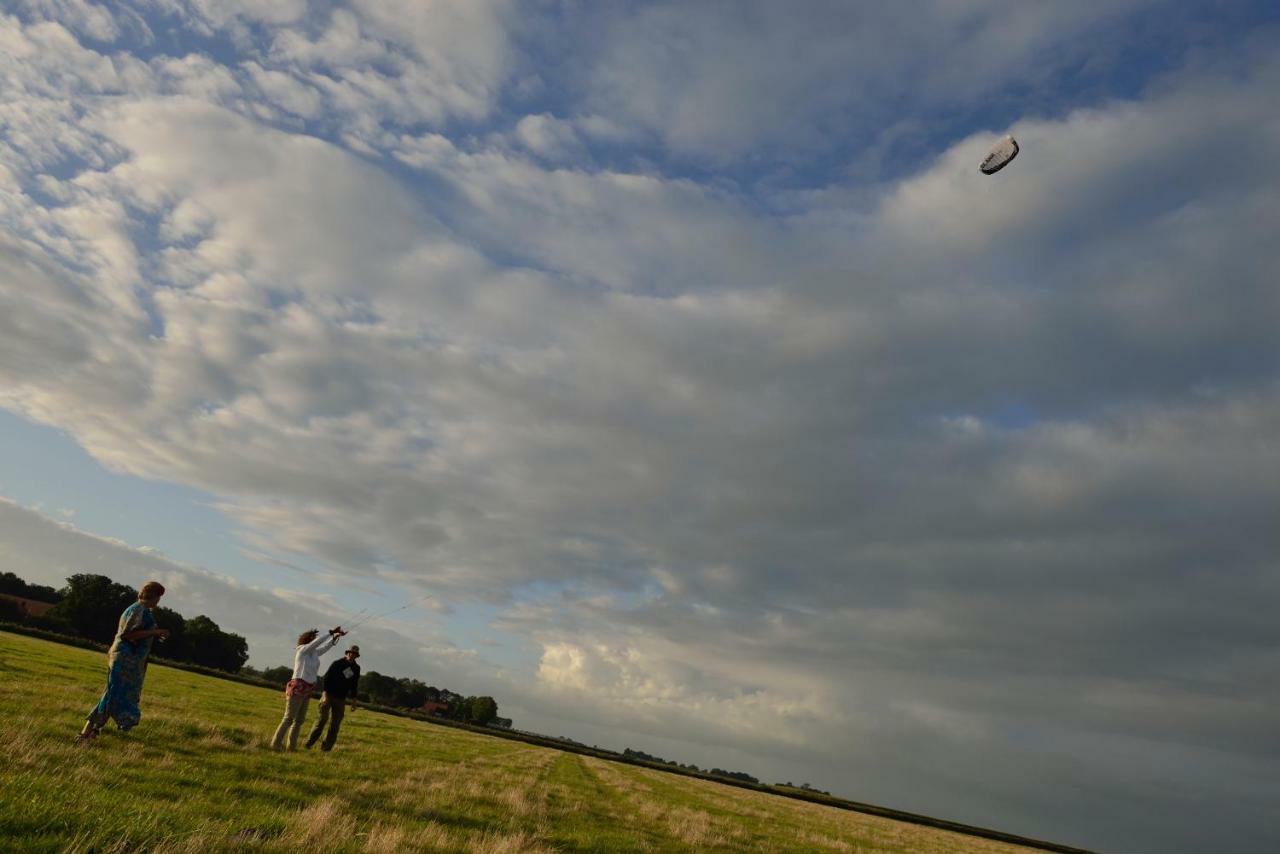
297	694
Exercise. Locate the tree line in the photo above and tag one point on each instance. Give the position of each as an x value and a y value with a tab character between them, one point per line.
89	606
717	772
406	693
12	585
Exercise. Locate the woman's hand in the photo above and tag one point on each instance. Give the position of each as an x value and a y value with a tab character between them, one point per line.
163	634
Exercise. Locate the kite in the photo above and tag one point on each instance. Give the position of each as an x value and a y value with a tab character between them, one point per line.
1000	156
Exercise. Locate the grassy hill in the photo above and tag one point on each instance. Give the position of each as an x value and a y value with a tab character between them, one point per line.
196	775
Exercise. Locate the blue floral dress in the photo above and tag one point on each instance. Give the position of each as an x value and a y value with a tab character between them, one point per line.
126	668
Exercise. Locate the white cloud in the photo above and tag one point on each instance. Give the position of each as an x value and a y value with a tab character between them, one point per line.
549	137
720	81
81	16
384	64
287	92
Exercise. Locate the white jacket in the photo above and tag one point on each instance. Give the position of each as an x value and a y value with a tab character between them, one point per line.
306	660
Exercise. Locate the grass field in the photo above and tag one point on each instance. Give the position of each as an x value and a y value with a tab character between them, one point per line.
196	775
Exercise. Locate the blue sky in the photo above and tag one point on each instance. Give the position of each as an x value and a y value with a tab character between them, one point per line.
681	356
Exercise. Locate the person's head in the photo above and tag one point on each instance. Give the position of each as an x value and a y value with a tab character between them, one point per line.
308	636
149	594
353	653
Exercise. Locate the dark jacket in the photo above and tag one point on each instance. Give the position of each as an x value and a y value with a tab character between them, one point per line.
341	679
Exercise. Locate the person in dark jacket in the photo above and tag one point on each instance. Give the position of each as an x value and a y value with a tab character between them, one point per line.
340	683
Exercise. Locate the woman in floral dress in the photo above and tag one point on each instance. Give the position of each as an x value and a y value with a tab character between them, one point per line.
127	664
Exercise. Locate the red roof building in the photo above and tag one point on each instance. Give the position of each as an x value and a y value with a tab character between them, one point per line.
30	607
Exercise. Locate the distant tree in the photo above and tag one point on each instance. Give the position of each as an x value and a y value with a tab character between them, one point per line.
378	688
15	586
409	694
278	675
12	584
11	611
235	651
176	646
481	710
210	646
91	606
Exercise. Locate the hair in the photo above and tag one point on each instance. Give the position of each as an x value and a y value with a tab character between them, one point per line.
151	590
308	636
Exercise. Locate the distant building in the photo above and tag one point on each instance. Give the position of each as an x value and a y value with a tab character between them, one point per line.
504	723
433	707
29	607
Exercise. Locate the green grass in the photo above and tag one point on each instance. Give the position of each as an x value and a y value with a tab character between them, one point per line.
196	775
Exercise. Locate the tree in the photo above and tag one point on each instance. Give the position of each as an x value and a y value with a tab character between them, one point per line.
481	710
210	646
409	693
278	675
91	606
236	650
175	646
380	689
15	586
11	611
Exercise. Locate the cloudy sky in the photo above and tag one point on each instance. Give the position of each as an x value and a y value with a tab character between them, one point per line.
681	355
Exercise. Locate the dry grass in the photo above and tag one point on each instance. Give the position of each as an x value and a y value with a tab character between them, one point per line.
384	839
508	843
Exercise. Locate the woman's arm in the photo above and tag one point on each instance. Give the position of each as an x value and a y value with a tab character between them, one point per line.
322	644
133	625
141	634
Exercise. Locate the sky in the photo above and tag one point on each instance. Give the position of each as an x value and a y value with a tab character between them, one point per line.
676	365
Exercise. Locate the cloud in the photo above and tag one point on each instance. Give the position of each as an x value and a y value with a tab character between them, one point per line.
549	137
721	82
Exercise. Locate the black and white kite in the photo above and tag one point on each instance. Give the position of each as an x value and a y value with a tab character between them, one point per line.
1000	156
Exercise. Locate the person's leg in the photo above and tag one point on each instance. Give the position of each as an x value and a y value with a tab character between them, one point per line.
92	725
286	723
339	708
97	717
319	727
101	713
127	711
298	719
